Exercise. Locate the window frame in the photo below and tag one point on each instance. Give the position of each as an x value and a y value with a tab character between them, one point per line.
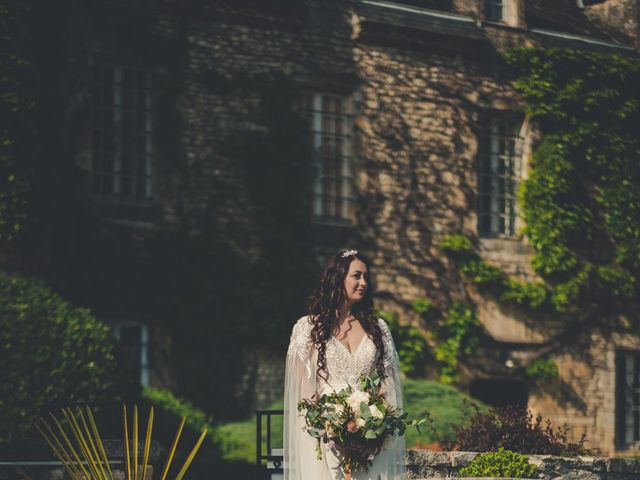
502	204
112	179
493	6
117	327
336	207
624	418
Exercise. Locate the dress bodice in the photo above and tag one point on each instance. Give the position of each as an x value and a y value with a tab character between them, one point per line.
343	367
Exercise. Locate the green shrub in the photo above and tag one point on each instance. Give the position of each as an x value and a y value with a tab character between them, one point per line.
446	406
171	405
169	410
503	463
515	428
52	353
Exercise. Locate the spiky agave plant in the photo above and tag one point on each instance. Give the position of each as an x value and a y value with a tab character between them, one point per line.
82	451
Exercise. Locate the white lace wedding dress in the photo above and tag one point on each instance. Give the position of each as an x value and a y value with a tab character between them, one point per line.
344	369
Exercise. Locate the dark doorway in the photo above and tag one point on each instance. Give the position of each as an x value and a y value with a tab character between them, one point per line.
500	392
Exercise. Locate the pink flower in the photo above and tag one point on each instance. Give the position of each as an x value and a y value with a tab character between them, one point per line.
352	427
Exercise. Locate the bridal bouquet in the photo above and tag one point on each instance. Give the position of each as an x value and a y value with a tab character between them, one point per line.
356	421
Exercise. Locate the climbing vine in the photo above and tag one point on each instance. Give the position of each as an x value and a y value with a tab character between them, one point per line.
542	370
410	341
534	295
457	337
581	200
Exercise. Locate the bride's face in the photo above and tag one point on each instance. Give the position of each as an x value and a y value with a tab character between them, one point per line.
356	281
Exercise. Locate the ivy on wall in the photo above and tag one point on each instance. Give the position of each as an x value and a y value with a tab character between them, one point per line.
411	342
457	337
581	201
16	105
533	295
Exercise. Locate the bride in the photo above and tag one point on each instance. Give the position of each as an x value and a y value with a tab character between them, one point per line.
339	340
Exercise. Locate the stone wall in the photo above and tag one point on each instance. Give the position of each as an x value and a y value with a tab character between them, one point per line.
263	380
427	464
584	394
620	15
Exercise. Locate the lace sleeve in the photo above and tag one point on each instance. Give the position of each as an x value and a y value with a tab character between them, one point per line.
391	364
300	462
394	453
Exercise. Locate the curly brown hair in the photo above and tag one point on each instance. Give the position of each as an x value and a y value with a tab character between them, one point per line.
324	304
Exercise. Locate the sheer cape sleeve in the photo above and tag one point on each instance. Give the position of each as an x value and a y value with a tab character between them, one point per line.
300	461
393	462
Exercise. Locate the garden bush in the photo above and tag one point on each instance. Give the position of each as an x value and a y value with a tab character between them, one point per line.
52	354
209	462
169	410
503	463
516	429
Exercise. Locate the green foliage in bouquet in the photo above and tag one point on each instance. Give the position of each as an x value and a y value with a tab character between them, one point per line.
75	440
357	421
503	463
52	352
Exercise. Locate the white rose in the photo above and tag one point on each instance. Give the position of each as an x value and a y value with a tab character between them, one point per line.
375	412
355	399
360	422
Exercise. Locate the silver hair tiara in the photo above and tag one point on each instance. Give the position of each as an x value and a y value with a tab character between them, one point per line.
348	253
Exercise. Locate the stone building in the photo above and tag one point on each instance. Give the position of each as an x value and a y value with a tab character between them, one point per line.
172	122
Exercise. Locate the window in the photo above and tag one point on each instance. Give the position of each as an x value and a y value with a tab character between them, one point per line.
133	350
494	10
331	126
121	152
499	170
627	399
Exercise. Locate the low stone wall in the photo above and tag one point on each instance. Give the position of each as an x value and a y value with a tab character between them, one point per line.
430	464
33	459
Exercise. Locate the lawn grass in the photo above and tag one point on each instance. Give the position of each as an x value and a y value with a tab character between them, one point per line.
444	403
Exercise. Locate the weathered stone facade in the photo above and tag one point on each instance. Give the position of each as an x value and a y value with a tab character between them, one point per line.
425	464
421	78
